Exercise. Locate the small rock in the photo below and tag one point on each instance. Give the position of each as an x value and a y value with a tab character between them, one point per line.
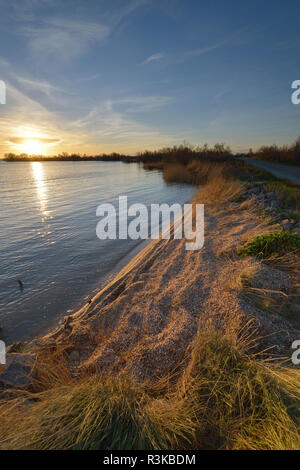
286	224
255	190
19	370
74	356
297	227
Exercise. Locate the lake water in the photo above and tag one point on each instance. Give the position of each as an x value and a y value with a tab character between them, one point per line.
48	236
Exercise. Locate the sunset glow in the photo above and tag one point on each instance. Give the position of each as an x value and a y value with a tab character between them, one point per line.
32	147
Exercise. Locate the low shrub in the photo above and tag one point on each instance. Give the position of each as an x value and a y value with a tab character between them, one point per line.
277	243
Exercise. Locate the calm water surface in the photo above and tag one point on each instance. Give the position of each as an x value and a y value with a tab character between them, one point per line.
48	236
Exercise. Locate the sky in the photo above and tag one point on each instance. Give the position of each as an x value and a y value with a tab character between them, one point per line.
95	76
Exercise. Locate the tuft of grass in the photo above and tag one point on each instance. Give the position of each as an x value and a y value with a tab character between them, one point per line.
239	400
215	178
175	172
226	398
264	246
194	172
218	184
97	414
288	194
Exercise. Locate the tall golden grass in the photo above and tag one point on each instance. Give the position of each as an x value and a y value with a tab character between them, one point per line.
227	398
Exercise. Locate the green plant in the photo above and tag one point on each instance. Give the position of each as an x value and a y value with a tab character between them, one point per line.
264	246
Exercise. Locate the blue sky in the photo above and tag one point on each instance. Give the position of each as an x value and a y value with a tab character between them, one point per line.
125	75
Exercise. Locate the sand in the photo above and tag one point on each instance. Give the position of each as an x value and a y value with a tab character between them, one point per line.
144	321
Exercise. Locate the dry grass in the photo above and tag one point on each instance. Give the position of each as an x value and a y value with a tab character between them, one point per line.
227	398
286	154
216	183
220	189
239	399
174	172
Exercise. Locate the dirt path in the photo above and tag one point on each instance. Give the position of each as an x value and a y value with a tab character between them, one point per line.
280	171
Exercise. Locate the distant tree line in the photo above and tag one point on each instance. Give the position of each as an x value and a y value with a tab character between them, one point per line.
289	154
181	154
66	157
185	153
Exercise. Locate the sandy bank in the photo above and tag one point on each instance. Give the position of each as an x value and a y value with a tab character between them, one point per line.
143	322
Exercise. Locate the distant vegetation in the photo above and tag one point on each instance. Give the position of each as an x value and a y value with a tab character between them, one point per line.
66	157
285	154
180	154
186	153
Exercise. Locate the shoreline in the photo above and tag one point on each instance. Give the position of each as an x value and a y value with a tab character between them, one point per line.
75	270
125	264
121	277
104	281
147	318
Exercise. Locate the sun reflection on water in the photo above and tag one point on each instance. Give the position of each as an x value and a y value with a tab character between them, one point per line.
39	177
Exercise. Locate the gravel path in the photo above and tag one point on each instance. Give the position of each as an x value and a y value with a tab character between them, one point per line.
280	171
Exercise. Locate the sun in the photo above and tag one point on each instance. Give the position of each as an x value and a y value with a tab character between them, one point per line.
32	147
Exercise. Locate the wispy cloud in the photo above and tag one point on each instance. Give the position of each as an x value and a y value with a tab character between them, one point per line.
63	39
206	49
42	140
179	57
154	58
90	78
49	127
26	10
42	86
33	88
138	104
109	126
220	94
111	123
